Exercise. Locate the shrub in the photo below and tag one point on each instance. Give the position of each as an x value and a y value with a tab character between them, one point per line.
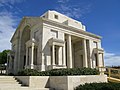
73	71
59	72
28	72
99	86
10	74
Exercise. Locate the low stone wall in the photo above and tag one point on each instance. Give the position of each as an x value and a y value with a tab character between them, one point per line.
74	81
34	81
60	82
39	81
70	82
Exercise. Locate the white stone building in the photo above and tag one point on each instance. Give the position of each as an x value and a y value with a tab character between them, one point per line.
53	41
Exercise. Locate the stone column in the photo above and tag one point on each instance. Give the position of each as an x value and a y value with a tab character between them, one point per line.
26	63
29	58
90	53
85	62
53	54
43	62
100	59
60	55
69	52
103	59
32	56
64	61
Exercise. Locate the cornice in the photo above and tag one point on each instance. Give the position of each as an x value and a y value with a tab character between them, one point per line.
51	22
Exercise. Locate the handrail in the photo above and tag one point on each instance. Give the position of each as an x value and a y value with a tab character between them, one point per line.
112	73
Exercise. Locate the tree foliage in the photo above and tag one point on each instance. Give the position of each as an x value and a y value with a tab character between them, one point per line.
3	56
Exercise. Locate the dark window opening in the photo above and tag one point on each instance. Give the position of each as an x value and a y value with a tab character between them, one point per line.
24	61
96	61
56	16
43	16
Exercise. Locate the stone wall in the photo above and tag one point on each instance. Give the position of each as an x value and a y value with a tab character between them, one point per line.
74	81
34	81
39	81
60	82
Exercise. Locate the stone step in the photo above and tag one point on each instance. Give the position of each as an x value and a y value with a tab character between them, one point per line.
23	88
10	85
6	77
9	82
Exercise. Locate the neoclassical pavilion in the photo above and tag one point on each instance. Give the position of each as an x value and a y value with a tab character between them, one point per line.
53	41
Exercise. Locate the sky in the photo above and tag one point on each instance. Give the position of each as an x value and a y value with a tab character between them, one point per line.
101	17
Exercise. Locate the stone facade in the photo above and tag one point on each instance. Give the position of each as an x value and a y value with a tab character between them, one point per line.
53	41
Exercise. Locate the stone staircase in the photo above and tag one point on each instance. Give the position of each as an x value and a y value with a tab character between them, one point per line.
10	83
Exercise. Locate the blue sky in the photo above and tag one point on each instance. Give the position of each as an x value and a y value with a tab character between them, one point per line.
101	17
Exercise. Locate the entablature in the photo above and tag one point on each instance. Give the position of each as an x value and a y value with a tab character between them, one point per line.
56	41
29	43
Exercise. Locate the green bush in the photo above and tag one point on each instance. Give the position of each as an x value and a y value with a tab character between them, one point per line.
59	72
73	71
28	72
99	86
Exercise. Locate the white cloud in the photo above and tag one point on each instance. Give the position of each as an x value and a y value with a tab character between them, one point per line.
8	21
112	59
63	1
11	1
7	27
71	10
5	4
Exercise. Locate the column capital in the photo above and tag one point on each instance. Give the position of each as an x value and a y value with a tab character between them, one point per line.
33	44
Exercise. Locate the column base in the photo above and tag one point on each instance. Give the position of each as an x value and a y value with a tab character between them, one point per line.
56	67
31	66
26	66
42	67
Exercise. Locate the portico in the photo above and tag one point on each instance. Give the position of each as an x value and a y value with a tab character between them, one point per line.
31	54
57	50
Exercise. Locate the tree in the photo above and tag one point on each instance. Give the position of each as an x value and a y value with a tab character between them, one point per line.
3	56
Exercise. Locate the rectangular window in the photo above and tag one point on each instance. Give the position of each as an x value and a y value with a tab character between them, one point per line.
54	34
96	60
95	44
56	16
43	16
